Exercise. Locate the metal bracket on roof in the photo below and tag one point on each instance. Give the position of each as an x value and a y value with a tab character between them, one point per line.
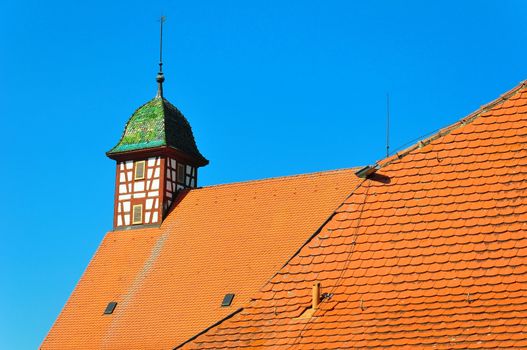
469	298
326	296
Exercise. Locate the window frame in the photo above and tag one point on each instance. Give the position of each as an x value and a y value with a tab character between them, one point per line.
143	162
140	206
184	172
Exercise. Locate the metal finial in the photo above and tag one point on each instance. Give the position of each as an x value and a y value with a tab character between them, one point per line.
160	76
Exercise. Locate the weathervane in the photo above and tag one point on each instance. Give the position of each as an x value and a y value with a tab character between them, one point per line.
160	76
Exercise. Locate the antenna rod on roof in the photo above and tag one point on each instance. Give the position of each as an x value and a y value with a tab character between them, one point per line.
161	21
387	124
160	76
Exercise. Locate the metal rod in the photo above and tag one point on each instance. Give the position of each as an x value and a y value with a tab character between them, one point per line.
162	20
387	124
160	77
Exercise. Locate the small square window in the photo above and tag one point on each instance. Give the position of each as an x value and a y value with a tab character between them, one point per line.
137	214
139	173
227	300
110	307
181	173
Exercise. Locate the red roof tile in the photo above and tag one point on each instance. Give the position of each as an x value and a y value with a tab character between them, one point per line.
169	281
436	258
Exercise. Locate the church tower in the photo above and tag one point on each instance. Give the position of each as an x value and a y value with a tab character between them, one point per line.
156	158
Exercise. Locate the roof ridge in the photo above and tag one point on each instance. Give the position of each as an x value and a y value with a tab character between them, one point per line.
284	177
448	129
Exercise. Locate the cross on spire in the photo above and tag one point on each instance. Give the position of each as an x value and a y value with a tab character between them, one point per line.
160	76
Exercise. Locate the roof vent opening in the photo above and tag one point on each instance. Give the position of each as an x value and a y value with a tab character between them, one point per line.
110	307
227	300
366	171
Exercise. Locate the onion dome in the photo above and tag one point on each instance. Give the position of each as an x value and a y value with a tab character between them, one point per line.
158	126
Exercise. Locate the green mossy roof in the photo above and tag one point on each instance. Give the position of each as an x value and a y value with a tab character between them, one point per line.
155	124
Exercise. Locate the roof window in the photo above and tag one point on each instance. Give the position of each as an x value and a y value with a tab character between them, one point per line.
227	300
366	171
110	307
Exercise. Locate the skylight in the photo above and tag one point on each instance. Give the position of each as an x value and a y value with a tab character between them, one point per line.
110	307
227	300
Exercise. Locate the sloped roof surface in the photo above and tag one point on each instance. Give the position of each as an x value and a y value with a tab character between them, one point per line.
158	123
169	282
436	257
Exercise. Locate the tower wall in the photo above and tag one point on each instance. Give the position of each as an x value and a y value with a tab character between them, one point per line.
153	191
146	191
178	176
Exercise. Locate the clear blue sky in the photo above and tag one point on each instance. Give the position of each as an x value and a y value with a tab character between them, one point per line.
270	88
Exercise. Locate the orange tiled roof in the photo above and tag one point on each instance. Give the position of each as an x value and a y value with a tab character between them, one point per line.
169	282
436	257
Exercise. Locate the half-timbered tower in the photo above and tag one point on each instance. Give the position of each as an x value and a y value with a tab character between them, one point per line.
156	158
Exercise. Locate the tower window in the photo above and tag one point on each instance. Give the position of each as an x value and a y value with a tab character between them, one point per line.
181	173
137	214
139	173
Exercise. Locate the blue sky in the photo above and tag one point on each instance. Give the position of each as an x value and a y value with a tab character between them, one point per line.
270	88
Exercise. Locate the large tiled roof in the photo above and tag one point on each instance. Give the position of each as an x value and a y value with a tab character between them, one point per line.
158	123
169	282
431	253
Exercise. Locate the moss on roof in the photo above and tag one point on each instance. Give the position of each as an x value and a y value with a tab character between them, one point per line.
158	123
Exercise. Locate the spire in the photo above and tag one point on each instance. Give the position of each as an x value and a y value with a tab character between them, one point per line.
160	76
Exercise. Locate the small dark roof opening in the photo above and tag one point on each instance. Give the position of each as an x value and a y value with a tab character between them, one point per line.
366	171
227	300
109	309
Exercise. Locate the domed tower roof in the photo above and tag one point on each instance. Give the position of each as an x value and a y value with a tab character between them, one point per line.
158	124
157	127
